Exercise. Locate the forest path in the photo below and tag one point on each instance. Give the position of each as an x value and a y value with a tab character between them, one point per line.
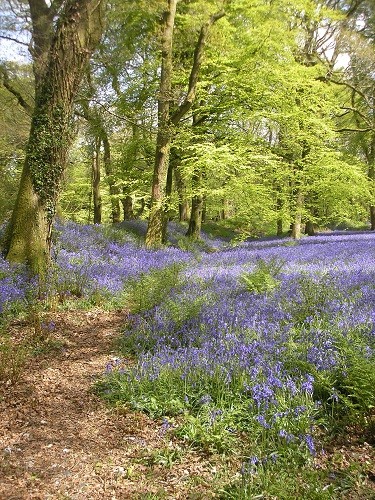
60	441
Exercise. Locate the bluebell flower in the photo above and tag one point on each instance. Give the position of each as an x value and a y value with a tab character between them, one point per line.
310	444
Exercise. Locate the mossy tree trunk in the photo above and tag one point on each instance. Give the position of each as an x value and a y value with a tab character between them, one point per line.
58	70
154	233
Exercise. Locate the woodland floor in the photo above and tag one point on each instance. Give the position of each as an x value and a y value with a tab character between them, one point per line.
60	441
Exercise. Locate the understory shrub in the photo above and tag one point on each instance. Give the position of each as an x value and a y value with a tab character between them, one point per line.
263	278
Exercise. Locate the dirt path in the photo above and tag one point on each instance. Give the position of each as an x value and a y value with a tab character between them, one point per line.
59	441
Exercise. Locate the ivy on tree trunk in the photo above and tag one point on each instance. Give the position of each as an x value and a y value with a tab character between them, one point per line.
60	56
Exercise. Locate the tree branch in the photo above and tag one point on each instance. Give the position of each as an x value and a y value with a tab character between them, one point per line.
55	6
350	86
84	114
355	110
354	129
197	63
5	37
8	85
354	8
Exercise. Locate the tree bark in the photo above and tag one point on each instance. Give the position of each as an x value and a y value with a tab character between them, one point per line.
310	229
372	217
114	191
97	199
127	205
225	209
195	223
370	156
183	204
58	75
168	195
154	233
155	229
204	209
297	223
279	227
141	208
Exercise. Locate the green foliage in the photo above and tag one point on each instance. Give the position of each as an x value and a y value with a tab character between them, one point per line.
263	278
211	430
14	128
142	337
222	230
211	415
152	288
75	203
289	479
165	457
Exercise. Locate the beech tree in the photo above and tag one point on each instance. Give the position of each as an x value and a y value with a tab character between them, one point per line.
64	34
356	91
168	120
239	119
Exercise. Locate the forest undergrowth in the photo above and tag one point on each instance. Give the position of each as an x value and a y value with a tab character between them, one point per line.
251	366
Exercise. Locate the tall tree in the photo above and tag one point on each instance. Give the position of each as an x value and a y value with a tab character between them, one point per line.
357	117
64	34
163	141
167	120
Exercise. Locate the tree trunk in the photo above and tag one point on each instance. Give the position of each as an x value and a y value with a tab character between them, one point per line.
97	199
204	209
77	32
114	190
279	222
27	238
168	195
225	209
309	228
296	226
195	223
141	208
279	227
127	205
372	217
154	233
371	176
183	203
